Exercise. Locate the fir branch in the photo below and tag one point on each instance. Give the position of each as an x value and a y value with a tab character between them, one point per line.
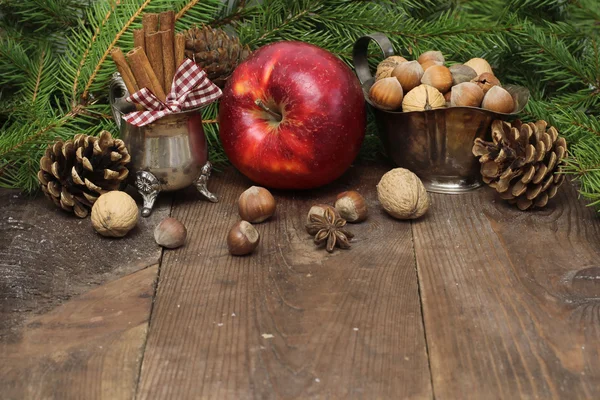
39	76
92	41
185	9
111	46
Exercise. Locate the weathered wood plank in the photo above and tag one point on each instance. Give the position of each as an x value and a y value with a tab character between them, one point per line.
88	348
48	256
290	321
511	299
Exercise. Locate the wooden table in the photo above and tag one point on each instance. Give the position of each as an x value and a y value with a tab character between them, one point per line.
475	300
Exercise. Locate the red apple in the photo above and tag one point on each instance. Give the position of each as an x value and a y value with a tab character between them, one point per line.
292	116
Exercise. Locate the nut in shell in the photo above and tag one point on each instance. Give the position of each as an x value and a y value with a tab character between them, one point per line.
423	98
402	194
409	75
385	68
466	94
439	77
351	206
256	204
462	73
242	239
114	214
479	65
499	100
387	94
432	55
486	81
170	233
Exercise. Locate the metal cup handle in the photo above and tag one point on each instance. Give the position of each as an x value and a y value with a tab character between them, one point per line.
118	105
359	53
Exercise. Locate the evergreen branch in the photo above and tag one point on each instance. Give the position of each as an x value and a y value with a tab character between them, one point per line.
90	44
39	76
111	46
185	9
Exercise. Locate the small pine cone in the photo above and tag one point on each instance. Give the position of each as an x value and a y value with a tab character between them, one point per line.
74	173
523	163
215	51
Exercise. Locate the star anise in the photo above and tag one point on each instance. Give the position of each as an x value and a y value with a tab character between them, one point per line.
329	228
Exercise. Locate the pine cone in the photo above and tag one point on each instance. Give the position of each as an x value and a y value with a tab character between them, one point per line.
523	163
74	173
215	51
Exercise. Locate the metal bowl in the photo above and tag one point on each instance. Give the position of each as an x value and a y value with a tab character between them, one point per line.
436	144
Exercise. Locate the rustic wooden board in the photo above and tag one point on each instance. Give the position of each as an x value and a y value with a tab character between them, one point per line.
510	298
48	256
290	321
88	348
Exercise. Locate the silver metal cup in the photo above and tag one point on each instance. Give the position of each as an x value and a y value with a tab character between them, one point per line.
168	154
436	144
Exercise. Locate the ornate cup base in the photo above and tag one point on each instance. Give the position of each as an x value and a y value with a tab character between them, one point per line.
148	186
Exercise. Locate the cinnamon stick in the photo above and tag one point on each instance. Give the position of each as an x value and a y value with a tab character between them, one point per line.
123	68
150	23
144	74
167	23
168	58
179	49
138	39
155	56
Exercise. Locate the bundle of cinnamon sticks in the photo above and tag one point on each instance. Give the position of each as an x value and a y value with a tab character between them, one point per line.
156	54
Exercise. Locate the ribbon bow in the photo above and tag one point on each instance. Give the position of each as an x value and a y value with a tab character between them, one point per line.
191	88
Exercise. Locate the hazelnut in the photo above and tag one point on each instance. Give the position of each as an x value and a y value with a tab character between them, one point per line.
409	75
448	97
423	98
387	94
402	194
466	94
351	206
439	77
170	233
242	239
319	209
498	100
485	81
430	63
479	65
462	73
256	204
385	68
431	55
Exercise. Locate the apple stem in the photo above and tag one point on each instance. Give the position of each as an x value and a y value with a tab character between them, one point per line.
274	114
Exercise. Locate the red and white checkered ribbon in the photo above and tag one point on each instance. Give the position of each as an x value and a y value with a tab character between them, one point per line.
191	89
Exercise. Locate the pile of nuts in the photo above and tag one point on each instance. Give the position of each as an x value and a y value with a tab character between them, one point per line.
427	84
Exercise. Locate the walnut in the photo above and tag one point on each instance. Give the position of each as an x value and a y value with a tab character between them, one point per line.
114	214
402	194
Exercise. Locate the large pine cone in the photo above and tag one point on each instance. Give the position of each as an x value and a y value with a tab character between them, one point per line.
523	163
74	173
215	51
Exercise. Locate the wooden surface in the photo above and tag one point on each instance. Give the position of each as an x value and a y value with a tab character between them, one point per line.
475	300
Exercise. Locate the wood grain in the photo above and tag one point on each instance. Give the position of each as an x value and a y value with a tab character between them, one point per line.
511	299
289	321
48	256
88	348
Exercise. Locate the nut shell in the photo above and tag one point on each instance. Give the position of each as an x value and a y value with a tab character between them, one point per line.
462	73
486	81
402	194
499	100
387	94
242	239
170	233
466	94
422	98
430	63
319	209
439	77
409	75
256	204
431	55
114	214
351	206
385	68
479	65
